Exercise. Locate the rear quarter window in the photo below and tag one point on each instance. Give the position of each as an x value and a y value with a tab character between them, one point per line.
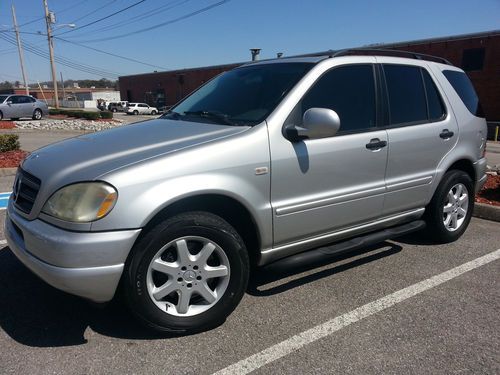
463	86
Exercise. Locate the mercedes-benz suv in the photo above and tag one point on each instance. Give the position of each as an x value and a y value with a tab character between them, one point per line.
264	162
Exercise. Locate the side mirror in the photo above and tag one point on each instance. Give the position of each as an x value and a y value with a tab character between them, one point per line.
317	123
9	102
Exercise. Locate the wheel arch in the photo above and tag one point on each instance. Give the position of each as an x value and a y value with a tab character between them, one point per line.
228	208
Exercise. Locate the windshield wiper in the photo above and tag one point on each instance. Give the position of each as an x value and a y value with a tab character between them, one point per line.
171	114
211	115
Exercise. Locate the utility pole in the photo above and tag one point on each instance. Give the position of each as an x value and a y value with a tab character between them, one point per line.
20	49
62	85
49	19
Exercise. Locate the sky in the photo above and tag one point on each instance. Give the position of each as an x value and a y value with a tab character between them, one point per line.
210	32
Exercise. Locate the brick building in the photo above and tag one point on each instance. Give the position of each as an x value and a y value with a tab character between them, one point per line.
478	54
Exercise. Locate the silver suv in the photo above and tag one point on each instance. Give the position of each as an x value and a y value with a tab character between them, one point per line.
264	163
140	109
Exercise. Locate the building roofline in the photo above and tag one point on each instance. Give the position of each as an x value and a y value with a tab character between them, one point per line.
481	34
178	71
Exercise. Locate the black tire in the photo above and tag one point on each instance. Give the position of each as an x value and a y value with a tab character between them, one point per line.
434	215
201	224
113	110
35	114
153	113
1	116
136	113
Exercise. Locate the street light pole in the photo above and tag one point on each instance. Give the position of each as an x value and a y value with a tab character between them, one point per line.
49	22
20	49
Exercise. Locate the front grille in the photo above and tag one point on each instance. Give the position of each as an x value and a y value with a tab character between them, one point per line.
25	191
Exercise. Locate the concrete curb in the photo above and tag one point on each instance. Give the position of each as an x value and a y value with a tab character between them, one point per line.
486	211
7	172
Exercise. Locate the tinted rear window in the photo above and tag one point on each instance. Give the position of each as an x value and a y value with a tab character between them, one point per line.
463	86
405	89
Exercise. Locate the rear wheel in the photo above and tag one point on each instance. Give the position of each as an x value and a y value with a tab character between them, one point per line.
37	114
187	274
450	210
136	112
113	110
1	116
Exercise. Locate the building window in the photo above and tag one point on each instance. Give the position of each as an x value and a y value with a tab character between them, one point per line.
473	59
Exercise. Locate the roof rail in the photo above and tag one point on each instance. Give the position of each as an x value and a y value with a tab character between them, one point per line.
386	52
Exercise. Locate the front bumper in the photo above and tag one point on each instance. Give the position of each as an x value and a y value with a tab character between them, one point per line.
480	171
85	264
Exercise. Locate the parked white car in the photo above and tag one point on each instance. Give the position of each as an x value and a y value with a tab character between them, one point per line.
141	109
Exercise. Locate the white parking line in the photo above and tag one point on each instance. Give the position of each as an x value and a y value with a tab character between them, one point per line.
300	340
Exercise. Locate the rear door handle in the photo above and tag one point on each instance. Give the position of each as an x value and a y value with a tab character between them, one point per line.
446	134
376	144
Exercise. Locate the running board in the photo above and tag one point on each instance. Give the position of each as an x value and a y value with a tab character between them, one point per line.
325	252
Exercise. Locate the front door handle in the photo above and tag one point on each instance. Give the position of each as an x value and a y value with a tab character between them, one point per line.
376	144
446	134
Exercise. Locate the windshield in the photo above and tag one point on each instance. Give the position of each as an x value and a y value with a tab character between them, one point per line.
3	97
243	96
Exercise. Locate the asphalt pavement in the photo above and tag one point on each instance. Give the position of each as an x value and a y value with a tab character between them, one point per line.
450	328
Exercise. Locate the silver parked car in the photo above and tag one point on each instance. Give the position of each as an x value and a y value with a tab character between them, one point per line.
264	163
16	106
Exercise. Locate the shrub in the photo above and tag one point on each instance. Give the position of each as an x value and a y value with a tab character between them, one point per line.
90	115
54	111
106	114
9	142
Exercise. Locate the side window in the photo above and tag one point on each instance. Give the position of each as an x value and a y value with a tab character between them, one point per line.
349	91
31	99
463	86
14	99
405	89
434	101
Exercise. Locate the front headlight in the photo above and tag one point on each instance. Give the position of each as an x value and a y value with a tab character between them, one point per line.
82	203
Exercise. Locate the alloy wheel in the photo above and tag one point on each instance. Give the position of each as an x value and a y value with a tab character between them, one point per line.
455	207
188	276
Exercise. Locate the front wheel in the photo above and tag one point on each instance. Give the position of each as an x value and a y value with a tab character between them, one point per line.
450	210
37	114
153	112
136	112
187	274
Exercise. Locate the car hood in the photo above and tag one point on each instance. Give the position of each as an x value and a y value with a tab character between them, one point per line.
89	156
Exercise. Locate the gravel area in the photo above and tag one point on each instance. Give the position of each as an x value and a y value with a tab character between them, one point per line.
69	124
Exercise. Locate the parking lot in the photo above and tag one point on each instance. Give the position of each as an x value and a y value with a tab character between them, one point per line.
449	328
392	308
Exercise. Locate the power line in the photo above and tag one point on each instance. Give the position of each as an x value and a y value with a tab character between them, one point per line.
43	17
140	17
103	18
110	54
63	61
202	10
94	11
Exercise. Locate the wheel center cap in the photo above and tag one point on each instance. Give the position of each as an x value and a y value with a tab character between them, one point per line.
189	275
